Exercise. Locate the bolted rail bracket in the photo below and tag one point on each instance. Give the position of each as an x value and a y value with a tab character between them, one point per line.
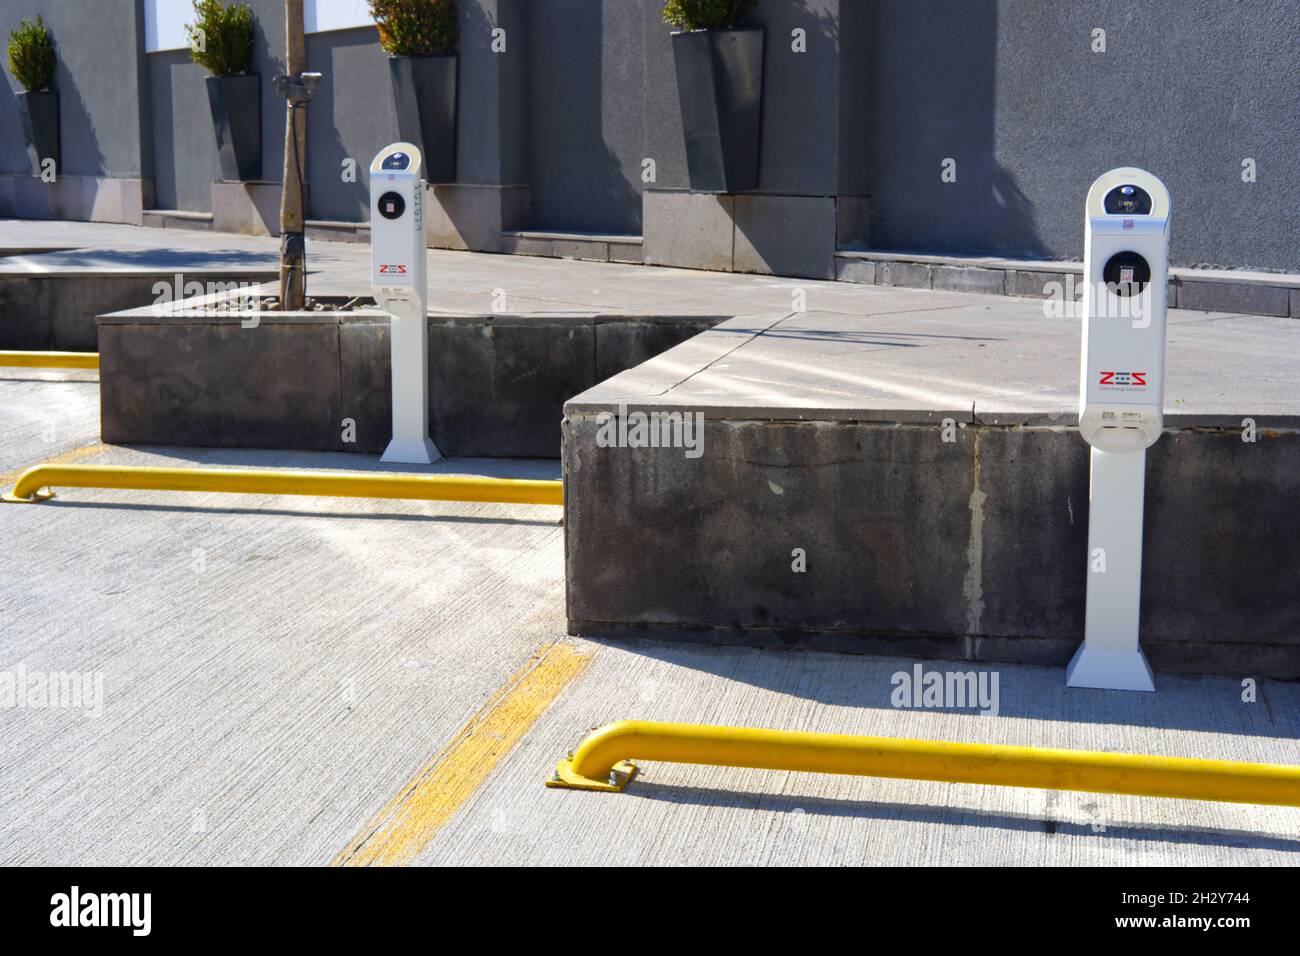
620	775
40	494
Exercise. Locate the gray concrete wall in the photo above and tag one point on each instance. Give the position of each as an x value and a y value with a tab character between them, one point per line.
586	90
1012	91
603	97
351	117
98	84
978	555
497	384
586	96
184	147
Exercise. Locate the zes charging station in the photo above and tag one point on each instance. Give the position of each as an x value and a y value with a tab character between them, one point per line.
399	277
1121	401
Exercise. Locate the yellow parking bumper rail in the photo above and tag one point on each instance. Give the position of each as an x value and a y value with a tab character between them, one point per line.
34	484
602	762
49	359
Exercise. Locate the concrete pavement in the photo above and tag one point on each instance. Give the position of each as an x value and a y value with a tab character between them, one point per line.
265	676
276	670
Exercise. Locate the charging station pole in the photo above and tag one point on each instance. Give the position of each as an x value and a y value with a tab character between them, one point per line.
1121	412
399	276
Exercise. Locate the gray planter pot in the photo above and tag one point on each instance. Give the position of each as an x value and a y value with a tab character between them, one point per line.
720	88
40	114
236	104
424	92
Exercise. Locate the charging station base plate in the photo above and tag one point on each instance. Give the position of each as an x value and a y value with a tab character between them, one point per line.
1109	670
411	452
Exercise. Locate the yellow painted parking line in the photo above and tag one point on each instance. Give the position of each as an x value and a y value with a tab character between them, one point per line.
397	834
67	458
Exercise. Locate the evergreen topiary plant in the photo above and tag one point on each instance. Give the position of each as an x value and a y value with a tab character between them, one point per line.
221	39
416	27
705	14
31	55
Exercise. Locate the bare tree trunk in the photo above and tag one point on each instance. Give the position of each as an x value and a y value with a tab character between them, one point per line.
293	278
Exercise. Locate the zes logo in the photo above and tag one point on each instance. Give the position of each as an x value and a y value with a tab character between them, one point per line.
392	270
1124	379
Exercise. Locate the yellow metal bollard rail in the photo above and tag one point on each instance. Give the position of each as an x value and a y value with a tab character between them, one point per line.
49	359
252	481
602	762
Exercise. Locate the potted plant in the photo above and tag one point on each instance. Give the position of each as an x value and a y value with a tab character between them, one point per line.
419	37
31	61
720	88
221	40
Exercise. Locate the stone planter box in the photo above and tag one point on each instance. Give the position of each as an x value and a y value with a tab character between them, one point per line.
497	383
40	113
56	309
236	104
662	547
424	92
720	88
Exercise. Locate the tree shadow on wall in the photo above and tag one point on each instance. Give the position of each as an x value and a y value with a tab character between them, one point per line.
932	98
584	142
798	152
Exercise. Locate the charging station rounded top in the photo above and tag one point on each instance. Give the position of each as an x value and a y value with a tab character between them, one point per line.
1116	179
398	159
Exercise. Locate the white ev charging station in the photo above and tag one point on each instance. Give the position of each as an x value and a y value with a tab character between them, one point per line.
1121	399
399	276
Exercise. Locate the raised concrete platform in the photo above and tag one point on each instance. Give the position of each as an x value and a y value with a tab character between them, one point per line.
824	431
49	300
322	652
320	381
824	435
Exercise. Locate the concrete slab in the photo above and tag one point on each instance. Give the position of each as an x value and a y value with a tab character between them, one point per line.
925	463
689	230
708	816
906	355
45	412
271	666
320	380
276	670
785	235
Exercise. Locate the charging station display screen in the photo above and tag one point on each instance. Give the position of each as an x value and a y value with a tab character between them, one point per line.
1128	200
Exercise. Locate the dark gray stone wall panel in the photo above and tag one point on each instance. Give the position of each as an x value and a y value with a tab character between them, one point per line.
709	541
975	549
500	389
199	401
1221	546
586	98
1034	517
365	370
